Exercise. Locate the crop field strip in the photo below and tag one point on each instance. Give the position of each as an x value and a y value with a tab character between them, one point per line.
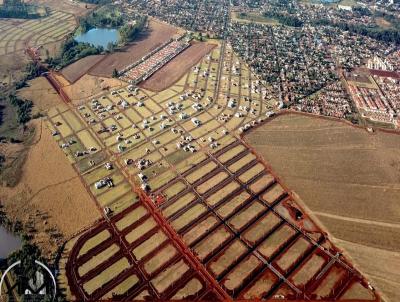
35	32
235	216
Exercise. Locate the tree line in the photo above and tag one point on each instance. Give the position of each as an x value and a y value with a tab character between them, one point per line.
129	32
284	19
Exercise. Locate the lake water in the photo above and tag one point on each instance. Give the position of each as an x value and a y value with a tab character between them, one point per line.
99	36
8	243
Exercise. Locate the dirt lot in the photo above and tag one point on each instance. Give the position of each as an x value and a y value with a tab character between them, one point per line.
175	69
350	180
90	86
76	70
50	200
157	34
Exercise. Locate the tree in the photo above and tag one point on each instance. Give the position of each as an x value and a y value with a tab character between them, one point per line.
110	47
115	73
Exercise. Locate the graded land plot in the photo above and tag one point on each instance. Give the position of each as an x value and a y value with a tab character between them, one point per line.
98	259
245	160
175	69
169	276
200	172
227	257
292	254
261	183
212	182
199	229
241	273
270	246
131	218
308	270
188	216
232	204
222	193
122	287
160	259
149	245
157	34
191	289
251	172
94	241
273	193
141	230
261	286
73	121
179	204
341	172
212	242
245	216
261	228
105	276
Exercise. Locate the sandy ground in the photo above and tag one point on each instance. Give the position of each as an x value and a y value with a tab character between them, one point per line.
50	196
174	70
76	70
350	179
157	34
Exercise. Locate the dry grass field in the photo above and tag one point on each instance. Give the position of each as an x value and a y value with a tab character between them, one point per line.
157	34
49	181
41	93
175	69
350	179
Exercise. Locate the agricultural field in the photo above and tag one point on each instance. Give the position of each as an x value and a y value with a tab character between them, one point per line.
17	35
313	157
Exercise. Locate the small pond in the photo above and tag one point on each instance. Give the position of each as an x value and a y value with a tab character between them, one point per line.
8	243
99	36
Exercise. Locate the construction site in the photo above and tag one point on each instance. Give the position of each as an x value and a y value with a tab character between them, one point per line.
190	210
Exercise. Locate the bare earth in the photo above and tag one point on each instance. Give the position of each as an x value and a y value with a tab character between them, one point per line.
157	34
89	86
350	179
175	69
77	69
50	195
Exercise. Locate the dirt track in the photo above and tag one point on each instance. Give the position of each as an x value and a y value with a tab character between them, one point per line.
340	171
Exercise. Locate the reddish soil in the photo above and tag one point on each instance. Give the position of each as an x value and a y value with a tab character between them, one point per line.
157	34
175	69
78	69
